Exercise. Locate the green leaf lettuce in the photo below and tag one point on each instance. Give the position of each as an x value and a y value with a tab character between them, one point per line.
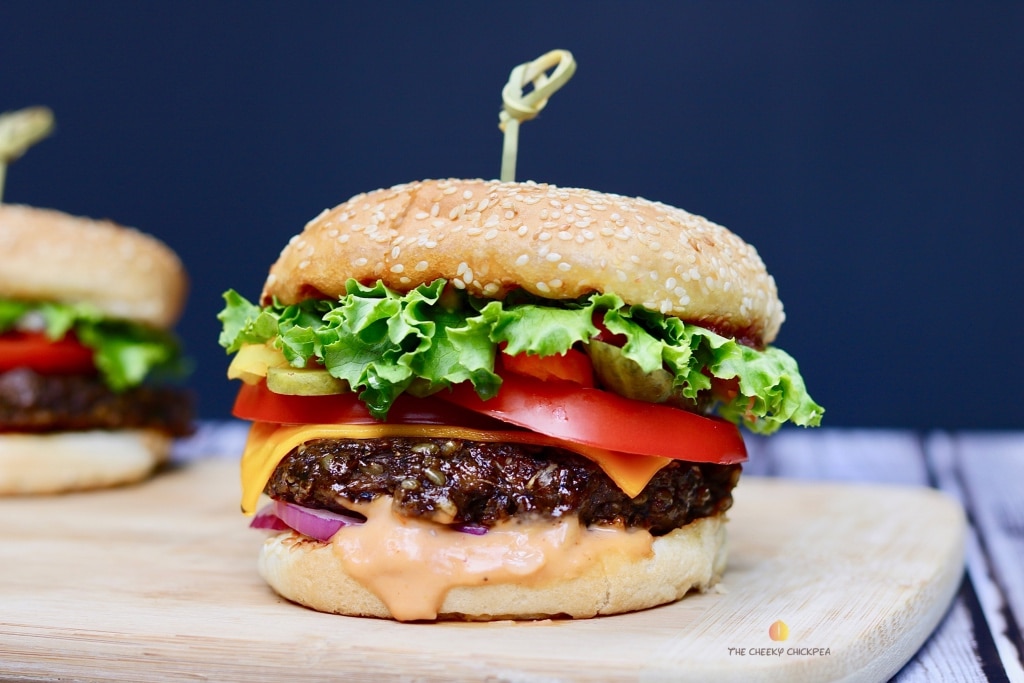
384	343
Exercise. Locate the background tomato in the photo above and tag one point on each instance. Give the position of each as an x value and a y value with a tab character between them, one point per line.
36	351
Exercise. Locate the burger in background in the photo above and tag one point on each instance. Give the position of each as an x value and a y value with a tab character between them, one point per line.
85	313
484	400
86	309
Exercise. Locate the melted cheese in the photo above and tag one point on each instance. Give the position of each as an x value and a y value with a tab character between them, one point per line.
412	564
269	443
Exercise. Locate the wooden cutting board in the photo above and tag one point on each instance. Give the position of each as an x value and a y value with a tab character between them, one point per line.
158	582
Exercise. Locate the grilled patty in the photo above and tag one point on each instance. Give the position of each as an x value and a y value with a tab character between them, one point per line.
477	483
31	402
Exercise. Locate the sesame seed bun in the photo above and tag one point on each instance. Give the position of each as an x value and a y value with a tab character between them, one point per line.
693	557
61	462
489	238
51	256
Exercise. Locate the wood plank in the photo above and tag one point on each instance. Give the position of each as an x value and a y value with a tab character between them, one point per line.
159	580
985	472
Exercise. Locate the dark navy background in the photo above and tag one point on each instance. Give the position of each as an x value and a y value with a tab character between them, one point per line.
872	151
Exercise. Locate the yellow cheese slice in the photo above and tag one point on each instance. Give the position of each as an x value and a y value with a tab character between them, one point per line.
269	443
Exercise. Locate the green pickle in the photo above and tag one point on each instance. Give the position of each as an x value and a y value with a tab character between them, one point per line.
304	382
625	377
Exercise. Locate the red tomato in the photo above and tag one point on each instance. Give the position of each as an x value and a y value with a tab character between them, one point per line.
605	420
559	409
36	351
573	366
256	402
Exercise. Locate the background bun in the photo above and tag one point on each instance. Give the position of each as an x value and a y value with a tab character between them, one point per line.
51	256
691	558
76	461
490	237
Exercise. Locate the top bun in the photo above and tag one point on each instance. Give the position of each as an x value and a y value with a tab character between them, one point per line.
125	274
490	237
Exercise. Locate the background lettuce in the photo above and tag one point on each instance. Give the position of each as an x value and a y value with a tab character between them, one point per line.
125	353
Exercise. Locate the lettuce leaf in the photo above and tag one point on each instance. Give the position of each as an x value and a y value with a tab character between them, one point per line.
125	353
384	343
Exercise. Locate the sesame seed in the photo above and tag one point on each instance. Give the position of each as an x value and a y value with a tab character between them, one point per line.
422	215
522	231
397	268
421	266
449	190
459	284
303	264
491	288
395	252
564	267
491	234
522	260
343	238
360	262
474	231
333	232
544	236
543	286
564	235
553	257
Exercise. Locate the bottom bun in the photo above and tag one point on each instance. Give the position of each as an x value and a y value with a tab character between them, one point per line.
76	461
693	557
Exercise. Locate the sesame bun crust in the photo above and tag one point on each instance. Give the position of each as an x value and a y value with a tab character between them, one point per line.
307	572
489	238
52	256
78	461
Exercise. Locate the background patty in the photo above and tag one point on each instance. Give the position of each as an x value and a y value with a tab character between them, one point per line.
479	483
30	402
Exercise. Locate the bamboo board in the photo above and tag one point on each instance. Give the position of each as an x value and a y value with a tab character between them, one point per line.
158	582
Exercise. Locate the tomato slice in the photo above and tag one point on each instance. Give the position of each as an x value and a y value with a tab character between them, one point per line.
574	366
558	409
257	403
36	351
605	420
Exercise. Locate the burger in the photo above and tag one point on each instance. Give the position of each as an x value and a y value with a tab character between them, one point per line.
484	400
87	361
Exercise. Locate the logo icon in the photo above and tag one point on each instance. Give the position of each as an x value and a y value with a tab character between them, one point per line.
778	631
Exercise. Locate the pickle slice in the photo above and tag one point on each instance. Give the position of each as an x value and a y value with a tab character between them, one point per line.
304	382
625	377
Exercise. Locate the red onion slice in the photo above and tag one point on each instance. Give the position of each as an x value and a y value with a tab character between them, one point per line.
318	524
266	519
322	524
